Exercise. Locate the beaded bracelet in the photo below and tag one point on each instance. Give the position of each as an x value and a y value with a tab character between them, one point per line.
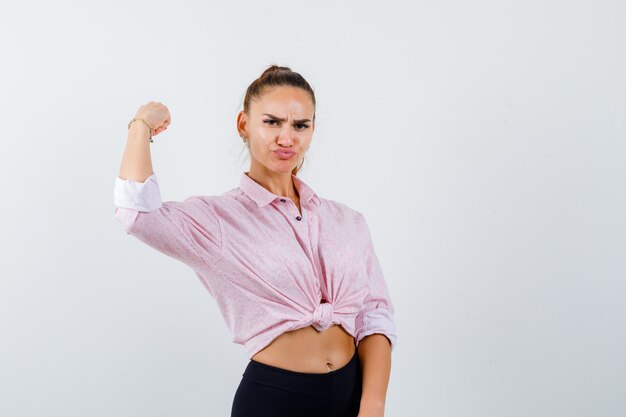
146	123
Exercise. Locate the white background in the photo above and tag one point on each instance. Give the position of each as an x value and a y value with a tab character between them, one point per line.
484	141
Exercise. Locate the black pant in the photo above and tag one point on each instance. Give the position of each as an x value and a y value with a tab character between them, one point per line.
269	391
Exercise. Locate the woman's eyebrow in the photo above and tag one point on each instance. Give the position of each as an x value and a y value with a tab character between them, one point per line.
284	120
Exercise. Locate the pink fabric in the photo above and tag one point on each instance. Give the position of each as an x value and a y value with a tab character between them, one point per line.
268	268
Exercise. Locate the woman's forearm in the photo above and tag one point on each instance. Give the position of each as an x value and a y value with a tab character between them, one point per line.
137	162
375	356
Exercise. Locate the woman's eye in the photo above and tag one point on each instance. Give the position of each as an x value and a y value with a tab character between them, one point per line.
300	125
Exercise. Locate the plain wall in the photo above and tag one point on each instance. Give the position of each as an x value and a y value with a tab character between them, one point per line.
484	141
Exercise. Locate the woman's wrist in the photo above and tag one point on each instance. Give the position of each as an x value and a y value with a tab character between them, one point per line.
138	130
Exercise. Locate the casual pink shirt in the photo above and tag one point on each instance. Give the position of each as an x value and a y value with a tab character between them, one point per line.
269	268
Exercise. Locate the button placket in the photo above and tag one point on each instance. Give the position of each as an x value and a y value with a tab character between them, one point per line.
284	200
312	224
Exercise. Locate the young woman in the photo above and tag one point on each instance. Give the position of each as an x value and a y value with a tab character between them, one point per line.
295	275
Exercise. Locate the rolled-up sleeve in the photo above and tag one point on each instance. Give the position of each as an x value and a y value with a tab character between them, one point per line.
188	230
377	314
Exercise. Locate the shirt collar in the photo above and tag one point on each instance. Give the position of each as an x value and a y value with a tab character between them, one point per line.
262	197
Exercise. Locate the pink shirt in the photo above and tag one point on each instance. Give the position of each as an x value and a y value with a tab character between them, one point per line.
269	268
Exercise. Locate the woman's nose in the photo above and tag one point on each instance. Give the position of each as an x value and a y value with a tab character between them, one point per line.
286	137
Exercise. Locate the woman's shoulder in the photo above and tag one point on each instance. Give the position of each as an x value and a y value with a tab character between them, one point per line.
340	209
228	200
225	198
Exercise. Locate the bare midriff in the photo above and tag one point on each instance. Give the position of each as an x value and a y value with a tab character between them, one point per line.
310	351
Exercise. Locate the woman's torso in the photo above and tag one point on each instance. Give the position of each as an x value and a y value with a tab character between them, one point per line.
267	263
307	350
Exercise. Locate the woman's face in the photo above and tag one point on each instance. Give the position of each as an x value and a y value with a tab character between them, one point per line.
281	120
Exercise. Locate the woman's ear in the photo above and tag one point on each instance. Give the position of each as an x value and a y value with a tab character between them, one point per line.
242	120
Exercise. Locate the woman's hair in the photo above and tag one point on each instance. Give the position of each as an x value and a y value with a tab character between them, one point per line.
276	76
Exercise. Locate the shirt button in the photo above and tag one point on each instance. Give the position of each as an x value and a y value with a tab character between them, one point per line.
282	200
298	218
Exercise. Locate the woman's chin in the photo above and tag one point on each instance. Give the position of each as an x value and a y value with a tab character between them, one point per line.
284	167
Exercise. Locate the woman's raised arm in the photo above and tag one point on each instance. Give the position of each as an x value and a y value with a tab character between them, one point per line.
189	230
137	162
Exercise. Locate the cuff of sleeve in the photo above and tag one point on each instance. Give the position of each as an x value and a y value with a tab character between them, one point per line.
379	320
140	196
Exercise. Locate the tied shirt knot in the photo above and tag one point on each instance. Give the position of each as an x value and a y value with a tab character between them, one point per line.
323	316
